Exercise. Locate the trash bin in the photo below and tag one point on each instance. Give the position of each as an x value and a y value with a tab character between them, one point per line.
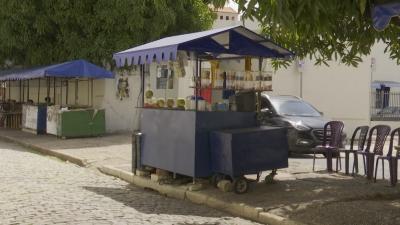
136	150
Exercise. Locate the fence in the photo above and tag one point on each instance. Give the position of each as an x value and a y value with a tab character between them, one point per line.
385	106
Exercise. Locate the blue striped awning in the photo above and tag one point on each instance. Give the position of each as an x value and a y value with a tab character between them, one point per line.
383	13
232	41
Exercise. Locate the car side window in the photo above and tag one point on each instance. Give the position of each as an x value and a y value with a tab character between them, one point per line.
265	104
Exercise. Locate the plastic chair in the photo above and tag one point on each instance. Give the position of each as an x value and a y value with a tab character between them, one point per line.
331	142
381	132
362	132
389	155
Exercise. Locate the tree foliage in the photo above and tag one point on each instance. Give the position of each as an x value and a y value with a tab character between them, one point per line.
36	32
322	29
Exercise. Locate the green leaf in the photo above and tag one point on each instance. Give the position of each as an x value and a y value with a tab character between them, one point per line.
362	4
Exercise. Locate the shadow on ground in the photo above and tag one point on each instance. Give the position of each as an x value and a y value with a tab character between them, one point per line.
318	198
149	202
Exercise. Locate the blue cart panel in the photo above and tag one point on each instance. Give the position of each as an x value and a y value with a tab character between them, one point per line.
178	141
239	152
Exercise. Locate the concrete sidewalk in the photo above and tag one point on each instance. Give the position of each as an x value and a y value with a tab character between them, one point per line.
299	196
112	149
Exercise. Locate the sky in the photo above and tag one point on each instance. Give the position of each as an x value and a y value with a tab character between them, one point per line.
233	5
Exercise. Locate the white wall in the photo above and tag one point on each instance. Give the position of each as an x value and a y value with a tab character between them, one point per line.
253	25
341	92
121	115
385	69
218	22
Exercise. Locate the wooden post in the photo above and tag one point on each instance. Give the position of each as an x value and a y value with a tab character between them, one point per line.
76	90
66	92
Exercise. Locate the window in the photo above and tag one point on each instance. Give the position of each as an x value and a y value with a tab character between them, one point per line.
165	78
227	17
221	17
233	18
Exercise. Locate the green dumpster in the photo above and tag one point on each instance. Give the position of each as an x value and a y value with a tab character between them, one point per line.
81	123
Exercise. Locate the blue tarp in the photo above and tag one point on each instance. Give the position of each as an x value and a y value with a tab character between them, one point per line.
70	69
382	14
228	41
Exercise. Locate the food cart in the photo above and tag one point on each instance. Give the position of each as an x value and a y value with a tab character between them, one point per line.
10	107
47	108
198	83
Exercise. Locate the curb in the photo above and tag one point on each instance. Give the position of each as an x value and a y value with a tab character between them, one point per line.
44	151
256	214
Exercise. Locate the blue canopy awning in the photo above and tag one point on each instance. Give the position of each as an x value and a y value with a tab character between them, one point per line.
383	13
380	83
227	41
70	69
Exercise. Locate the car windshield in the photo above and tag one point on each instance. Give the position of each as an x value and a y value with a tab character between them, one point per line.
294	108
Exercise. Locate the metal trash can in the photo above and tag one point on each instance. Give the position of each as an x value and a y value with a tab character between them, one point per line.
136	151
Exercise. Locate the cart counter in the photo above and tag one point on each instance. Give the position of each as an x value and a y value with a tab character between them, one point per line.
178	141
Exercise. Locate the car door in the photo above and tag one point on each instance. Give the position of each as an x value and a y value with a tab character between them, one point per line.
268	113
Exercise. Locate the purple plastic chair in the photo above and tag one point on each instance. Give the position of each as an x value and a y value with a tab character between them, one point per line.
331	143
389	155
362	132
381	132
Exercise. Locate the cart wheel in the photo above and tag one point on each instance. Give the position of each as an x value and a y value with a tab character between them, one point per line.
240	185
269	179
258	176
216	178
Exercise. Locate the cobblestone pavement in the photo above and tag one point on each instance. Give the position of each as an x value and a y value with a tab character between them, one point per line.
36	189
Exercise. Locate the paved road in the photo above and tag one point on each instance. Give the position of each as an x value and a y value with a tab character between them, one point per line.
37	189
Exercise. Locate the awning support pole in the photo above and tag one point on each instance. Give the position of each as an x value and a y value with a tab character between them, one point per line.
196	83
3	83
54	90
260	60
27	97
21	91
48	90
76	90
91	88
61	91
88	92
9	89
142	75
38	93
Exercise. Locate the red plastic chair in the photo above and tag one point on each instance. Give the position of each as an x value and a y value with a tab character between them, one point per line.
360	133
381	132
331	142
389	155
